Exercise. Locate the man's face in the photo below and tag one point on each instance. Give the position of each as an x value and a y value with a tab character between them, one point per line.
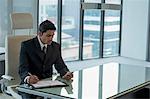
47	36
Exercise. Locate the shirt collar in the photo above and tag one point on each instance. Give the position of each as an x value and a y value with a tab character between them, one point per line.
41	44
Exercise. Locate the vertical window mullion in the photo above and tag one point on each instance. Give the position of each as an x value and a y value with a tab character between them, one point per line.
59	21
81	32
120	28
101	34
38	15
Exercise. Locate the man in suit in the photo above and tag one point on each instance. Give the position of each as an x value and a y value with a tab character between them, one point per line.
35	62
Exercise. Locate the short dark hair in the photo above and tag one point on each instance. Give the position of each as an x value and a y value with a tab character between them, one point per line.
46	25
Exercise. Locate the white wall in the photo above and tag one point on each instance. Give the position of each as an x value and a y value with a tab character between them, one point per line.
134	28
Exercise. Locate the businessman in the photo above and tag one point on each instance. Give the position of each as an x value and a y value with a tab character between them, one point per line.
39	54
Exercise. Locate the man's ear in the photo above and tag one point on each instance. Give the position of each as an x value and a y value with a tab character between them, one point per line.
40	33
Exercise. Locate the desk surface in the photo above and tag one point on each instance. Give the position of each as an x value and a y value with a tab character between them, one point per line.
101	82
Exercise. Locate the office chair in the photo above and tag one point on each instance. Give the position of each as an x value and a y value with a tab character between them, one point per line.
11	78
21	21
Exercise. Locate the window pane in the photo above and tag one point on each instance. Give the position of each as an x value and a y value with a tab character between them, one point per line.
26	6
70	29
3	21
12	6
92	1
111	33
48	11
91	34
113	1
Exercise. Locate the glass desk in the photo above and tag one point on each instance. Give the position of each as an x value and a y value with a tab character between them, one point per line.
98	82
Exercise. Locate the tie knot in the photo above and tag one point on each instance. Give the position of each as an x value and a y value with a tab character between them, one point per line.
44	49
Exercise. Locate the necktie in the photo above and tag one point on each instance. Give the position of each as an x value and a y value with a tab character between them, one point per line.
44	57
44	49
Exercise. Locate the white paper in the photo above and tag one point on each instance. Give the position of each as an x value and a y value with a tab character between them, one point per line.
48	83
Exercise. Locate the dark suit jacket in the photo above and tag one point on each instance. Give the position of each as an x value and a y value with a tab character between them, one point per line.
32	60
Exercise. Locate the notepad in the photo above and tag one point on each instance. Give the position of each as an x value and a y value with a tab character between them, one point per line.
49	83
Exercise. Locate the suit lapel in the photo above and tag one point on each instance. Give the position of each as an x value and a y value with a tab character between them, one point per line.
38	49
37	44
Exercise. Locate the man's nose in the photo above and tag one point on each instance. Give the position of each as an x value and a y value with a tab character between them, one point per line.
51	37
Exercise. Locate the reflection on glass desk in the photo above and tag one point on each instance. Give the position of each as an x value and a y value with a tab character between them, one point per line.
141	91
101	82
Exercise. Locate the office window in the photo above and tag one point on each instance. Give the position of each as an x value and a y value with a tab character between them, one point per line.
92	1
4	23
111	33
99	30
70	29
27	6
113	1
12	6
91	33
48	11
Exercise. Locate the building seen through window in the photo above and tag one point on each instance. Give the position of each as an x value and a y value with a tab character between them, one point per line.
48	9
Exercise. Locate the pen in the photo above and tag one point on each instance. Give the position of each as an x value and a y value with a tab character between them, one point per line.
33	76
29	74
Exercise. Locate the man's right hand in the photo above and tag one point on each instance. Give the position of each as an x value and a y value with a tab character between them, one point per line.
32	79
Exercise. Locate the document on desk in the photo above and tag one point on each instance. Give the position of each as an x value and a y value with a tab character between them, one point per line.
49	83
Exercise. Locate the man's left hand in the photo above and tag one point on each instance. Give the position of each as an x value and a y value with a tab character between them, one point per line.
68	75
